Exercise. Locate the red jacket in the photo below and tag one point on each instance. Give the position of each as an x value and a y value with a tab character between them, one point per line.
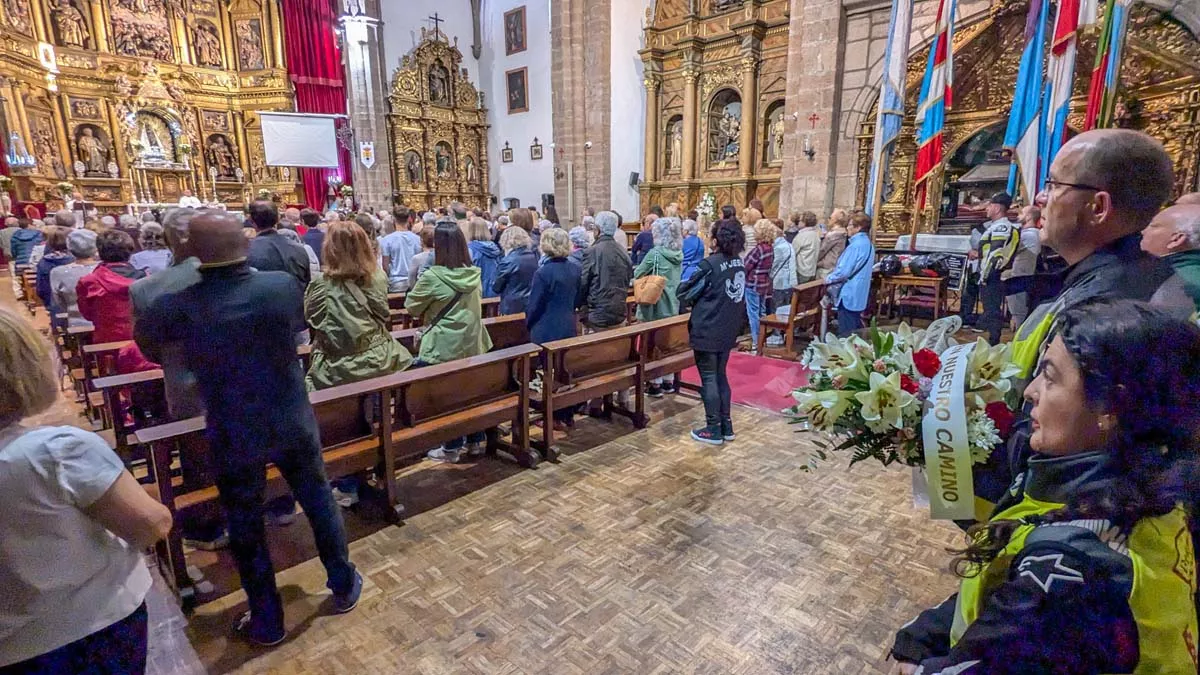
104	300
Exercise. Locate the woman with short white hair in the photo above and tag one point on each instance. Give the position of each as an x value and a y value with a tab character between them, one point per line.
515	273
581	239
75	523
665	259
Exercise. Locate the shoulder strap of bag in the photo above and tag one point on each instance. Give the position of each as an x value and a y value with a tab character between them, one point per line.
445	310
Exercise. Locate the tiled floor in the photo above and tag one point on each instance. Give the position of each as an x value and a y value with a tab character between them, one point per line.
641	552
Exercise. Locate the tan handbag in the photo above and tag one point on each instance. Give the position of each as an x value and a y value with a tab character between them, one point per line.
648	289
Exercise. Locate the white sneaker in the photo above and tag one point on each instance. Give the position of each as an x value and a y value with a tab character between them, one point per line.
441	454
775	341
476	449
345	499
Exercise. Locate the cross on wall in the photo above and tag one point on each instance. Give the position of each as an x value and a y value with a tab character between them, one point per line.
813	119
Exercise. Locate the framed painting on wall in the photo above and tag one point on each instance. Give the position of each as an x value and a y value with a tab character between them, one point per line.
514	31
518	93
506	153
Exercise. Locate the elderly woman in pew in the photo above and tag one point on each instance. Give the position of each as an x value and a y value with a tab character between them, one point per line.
520	261
664	259
447	300
63	279
56	255
75	523
550	313
347	309
103	298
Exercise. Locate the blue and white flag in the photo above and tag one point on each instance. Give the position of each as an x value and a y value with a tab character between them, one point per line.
891	99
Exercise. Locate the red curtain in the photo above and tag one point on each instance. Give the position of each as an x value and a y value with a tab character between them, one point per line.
314	63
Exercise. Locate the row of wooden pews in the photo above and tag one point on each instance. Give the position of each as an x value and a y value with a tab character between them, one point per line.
381	424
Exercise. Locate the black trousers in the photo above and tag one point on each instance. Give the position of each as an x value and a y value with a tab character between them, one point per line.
118	649
241	490
970	295
714	389
992	293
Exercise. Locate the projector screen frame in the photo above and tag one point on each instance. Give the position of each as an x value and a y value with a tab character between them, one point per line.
269	113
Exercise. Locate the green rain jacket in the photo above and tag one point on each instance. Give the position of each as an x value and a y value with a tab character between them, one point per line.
350	335
460	333
665	263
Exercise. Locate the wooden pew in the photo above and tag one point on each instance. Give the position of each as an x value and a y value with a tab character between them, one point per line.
145	391
396	300
490	307
583	368
349	445
416	409
29	287
506	331
666	348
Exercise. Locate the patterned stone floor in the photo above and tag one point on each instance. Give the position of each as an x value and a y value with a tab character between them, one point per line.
641	552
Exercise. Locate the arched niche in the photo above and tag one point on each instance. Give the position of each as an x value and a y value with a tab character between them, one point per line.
724	117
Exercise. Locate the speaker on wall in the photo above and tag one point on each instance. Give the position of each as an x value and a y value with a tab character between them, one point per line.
547	200
633	179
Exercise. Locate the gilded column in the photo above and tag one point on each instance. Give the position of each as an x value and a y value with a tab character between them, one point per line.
653	84
690	124
23	118
748	140
100	27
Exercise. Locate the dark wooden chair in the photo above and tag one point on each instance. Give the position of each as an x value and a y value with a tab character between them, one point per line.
806	314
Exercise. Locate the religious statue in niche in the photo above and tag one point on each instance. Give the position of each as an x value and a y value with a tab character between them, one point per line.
675	145
724	129
249	45
412	166
222	155
45	148
445	161
469	166
92	150
208	44
69	24
439	85
775	136
17	14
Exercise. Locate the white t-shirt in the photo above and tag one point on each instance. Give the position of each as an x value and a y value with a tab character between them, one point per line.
63	576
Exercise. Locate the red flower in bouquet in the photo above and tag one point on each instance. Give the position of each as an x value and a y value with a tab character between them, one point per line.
1001	416
927	362
908	384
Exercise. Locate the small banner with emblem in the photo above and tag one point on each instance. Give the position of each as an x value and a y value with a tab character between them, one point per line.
944	430
366	153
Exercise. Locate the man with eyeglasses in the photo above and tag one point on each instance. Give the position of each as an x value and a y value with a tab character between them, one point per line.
1103	189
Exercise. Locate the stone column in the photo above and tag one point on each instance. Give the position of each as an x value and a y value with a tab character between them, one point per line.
366	88
690	123
749	137
815	59
653	84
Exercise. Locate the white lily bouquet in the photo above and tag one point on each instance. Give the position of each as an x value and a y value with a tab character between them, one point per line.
914	397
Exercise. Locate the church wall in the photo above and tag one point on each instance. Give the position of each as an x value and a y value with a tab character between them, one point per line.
628	103
404	19
524	178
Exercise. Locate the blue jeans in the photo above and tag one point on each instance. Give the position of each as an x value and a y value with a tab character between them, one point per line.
754	310
241	491
848	320
477	437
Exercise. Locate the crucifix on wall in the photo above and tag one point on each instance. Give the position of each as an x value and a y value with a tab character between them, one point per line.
813	119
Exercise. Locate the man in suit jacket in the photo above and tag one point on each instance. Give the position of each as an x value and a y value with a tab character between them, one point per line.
270	252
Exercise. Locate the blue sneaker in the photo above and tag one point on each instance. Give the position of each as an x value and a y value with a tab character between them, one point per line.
256	634
706	435
345	602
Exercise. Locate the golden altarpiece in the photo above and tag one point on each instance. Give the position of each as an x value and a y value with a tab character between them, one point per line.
715	76
133	101
438	128
1159	93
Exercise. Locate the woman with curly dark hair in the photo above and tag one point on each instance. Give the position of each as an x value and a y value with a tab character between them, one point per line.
1088	565
717	295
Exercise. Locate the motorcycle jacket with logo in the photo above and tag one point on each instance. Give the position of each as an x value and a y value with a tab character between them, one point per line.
1081	596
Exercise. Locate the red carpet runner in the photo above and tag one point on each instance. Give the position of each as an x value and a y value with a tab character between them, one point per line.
759	382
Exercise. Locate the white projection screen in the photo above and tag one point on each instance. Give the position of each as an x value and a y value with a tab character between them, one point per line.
299	140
